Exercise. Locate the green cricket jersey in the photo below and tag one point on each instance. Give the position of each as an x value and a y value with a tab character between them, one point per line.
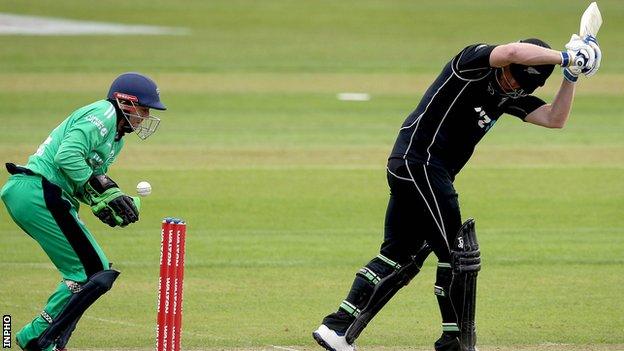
82	145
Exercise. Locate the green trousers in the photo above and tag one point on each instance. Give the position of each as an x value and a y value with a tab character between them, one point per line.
50	217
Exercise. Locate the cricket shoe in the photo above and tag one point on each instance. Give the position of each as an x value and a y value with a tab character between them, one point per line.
32	345
331	340
448	342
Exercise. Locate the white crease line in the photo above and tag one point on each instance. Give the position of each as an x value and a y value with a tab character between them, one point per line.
375	167
237	231
128	324
294	232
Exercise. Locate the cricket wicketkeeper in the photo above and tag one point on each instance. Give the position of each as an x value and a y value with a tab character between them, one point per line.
70	167
436	140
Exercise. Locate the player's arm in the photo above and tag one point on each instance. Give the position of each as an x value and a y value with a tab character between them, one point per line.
100	192
83	136
581	55
524	54
555	114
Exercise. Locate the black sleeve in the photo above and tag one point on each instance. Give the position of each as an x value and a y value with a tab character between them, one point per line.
473	62
521	107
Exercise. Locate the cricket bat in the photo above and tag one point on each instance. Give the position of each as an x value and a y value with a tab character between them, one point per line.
590	21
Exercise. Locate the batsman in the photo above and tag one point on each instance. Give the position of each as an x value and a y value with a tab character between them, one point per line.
474	89
68	168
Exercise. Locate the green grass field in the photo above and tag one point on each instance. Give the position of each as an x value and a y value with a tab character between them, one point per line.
283	186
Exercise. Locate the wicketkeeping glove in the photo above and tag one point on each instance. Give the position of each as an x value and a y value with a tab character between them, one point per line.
109	203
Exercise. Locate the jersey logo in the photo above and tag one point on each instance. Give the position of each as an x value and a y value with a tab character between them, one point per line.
490	89
95	161
485	122
98	124
460	242
531	70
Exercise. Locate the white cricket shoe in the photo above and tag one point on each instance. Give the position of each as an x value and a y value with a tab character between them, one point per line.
331	340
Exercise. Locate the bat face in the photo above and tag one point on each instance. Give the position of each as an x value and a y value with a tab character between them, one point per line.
590	21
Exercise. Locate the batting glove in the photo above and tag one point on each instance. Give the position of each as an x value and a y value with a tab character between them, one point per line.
571	74
579	53
593	43
580	57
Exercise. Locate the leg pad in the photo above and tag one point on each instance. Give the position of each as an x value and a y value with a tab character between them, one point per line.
97	285
386	289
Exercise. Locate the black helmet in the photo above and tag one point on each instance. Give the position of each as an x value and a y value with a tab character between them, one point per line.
531	77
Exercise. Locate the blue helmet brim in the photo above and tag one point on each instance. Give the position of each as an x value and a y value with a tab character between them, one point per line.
158	106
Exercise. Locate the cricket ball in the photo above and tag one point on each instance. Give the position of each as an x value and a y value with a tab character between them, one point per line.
144	188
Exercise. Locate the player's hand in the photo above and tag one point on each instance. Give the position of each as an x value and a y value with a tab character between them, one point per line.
593	43
109	203
578	53
571	73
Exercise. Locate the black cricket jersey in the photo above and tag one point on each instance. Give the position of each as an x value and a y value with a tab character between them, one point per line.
456	111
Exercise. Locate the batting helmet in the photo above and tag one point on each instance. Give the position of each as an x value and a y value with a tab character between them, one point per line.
531	77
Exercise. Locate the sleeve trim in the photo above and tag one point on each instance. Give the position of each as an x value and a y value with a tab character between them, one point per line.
466	79
519	109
